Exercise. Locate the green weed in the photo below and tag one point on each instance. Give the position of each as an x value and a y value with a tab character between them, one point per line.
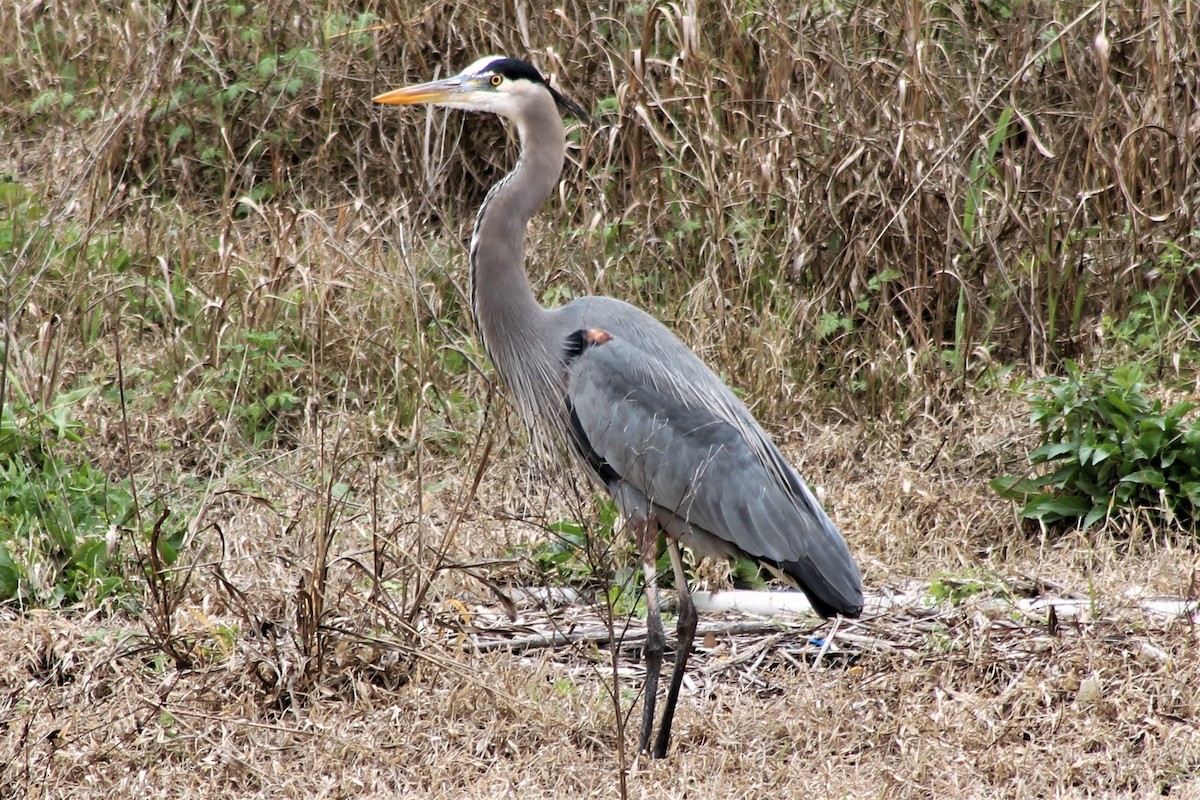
59	515
954	589
568	555
1108	449
259	386
1160	326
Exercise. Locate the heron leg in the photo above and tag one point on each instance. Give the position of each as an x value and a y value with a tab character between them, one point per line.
685	633
646	531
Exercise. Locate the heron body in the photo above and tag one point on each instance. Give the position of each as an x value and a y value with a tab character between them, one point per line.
633	405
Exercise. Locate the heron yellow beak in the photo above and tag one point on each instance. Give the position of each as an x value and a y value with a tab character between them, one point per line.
432	92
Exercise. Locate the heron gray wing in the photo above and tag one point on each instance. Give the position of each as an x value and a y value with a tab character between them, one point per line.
688	459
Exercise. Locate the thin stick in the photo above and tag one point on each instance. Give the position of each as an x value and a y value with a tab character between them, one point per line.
603	636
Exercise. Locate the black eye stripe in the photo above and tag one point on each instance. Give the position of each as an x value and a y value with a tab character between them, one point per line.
514	69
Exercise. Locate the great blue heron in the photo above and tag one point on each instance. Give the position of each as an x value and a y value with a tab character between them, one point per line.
678	452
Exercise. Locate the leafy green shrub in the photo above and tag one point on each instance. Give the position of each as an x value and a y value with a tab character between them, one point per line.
1106	449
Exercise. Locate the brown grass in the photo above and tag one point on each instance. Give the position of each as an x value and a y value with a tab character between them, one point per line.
973	699
791	188
980	722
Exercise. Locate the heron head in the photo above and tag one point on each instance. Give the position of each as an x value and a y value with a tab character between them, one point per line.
497	84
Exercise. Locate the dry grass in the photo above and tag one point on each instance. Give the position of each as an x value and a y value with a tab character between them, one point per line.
873	219
978	721
972	699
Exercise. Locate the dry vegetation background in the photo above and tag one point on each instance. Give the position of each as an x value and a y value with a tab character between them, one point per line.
258	487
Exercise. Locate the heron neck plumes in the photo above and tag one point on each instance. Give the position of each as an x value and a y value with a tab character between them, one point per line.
507	315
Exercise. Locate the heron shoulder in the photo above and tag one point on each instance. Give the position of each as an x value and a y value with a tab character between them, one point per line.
637	329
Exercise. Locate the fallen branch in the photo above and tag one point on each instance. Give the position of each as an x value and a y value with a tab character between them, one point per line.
601	636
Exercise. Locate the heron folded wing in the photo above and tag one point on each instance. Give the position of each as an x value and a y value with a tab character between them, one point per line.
688	459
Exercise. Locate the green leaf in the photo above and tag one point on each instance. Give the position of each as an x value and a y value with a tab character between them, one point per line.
91	556
567	527
10	577
1014	487
1177	412
1092	490
1052	509
883	277
1095	515
1052	451
180	133
1064	477
1150	477
267	66
1103	451
1148	444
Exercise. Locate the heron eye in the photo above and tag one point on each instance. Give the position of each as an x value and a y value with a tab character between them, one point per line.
497	80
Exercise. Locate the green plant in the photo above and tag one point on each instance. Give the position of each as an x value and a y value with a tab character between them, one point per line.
1107	448
600	555
980	175
567	555
57	510
263	378
560	558
954	589
1159	326
745	573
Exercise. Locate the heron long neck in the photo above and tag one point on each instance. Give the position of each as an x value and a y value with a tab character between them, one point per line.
514	328
507	314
